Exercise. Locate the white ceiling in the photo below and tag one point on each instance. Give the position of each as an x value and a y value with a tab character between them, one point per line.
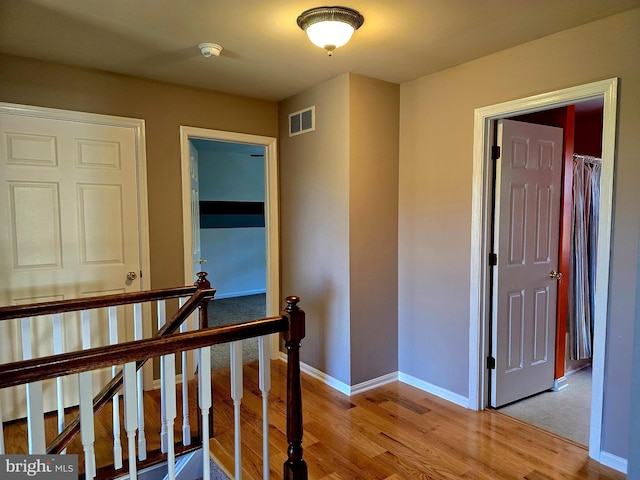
265	54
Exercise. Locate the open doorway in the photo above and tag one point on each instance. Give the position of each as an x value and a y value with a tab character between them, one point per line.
480	300
230	220
565	408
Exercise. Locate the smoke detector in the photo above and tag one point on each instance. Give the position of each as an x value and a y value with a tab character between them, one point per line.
210	49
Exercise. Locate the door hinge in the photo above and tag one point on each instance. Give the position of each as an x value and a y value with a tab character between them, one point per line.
495	152
491	363
493	259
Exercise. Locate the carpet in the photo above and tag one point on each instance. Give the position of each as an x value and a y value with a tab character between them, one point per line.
226	311
565	413
215	472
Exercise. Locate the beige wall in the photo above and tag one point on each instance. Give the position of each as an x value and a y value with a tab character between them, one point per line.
314	223
374	109
164	108
339	191
436	125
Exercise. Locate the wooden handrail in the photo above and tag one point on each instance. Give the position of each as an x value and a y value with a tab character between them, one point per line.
45	368
89	303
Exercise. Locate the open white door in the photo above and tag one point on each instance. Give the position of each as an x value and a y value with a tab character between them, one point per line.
526	235
196	256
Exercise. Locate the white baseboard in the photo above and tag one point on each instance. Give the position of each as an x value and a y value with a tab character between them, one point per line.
560	384
374	383
239	294
612	461
434	390
341	386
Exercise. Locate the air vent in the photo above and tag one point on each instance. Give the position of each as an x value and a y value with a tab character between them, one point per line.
302	121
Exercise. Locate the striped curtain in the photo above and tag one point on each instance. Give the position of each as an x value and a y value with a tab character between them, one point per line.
586	211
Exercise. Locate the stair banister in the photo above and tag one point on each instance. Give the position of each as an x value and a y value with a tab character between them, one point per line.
295	468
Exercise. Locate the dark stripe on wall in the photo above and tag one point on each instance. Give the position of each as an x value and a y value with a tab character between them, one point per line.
216	214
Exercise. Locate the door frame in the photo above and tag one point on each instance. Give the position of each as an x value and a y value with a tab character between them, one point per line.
271	210
138	127
481	222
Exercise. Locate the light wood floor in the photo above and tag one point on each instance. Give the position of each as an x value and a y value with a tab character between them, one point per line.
393	432
396	432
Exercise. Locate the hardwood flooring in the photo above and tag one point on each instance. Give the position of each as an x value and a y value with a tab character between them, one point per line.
393	432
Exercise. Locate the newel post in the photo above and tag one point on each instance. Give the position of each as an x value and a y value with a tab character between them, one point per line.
203	310
295	468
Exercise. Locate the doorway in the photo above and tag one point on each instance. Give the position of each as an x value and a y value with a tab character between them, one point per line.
219	213
481	228
565	411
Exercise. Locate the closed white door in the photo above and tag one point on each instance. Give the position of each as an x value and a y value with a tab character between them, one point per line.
526	236
69	219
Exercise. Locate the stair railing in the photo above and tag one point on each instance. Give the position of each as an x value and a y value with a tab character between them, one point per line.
127	358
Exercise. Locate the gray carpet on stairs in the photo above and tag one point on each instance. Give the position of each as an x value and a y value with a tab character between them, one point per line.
216	473
226	311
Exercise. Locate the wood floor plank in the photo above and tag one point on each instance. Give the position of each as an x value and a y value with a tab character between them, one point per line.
394	432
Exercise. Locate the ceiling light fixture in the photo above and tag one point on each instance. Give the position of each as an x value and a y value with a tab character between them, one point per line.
330	27
210	49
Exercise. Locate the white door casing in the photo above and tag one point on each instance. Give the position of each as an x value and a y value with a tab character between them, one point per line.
479	300
526	237
271	209
74	216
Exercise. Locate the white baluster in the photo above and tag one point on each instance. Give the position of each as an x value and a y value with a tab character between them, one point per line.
204	402
117	443
162	319
236	395
264	355
186	428
168	365
129	393
195	327
86	329
87	434
35	406
85	387
137	333
58	348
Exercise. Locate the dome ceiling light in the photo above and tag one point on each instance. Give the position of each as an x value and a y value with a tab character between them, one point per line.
330	27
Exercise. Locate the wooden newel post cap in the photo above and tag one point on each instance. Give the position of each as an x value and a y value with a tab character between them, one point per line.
292	303
202	283
296	331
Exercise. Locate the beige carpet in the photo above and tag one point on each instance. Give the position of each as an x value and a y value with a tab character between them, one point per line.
565	413
227	311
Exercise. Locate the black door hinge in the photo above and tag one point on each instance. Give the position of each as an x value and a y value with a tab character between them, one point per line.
493	259
491	363
495	152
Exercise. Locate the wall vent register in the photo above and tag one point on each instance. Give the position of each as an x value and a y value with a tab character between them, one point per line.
302	121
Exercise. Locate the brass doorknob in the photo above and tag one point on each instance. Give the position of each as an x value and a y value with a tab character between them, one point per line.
132	276
555	275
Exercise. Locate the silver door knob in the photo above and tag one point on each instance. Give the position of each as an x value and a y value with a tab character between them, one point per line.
555	275
132	276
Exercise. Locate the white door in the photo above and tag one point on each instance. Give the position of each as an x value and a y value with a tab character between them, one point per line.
196	253
526	236
69	219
